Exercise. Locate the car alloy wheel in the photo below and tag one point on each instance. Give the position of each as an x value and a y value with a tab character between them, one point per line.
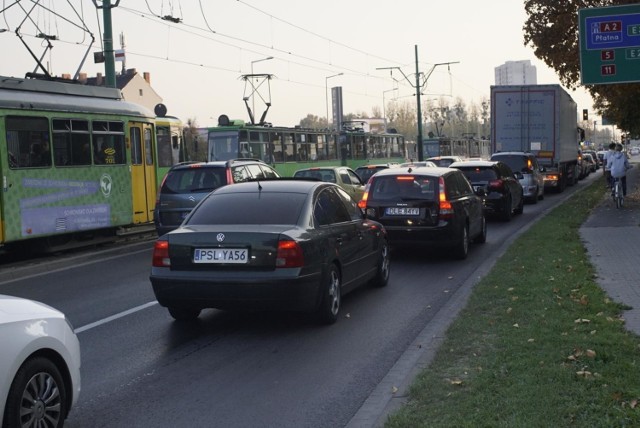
384	267
37	397
331	299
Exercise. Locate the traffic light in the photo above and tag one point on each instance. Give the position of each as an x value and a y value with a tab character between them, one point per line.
585	114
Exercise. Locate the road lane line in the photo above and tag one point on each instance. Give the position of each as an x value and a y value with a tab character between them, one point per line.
114	317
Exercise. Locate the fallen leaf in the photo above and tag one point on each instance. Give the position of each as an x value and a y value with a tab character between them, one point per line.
590	353
456	382
394	389
450	277
531	340
593	331
510	289
582	321
516	325
584	300
347	315
633	404
509	310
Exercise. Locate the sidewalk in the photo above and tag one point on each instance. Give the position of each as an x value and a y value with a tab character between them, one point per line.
612	239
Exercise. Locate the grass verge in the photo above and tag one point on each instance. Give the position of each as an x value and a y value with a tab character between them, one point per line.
539	343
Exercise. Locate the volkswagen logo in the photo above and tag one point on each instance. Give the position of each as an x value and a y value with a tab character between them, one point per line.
220	237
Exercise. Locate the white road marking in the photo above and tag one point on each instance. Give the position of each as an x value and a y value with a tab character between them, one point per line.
115	317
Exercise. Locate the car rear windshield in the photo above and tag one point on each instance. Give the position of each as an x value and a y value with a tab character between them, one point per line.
515	162
327	175
365	173
476	174
194	180
249	208
403	187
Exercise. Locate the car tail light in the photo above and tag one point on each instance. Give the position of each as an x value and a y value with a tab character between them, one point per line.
446	209
289	255
362	203
161	254
229	176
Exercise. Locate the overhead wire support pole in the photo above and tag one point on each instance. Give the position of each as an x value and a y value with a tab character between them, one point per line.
109	58
418	87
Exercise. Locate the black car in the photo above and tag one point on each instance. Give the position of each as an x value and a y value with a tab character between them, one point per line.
287	244
430	206
503	193
186	184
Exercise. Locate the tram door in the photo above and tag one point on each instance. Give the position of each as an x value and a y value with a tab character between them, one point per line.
143	176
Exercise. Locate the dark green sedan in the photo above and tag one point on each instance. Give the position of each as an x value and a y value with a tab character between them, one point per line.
293	245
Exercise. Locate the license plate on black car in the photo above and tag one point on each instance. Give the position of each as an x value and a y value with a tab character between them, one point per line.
402	211
220	255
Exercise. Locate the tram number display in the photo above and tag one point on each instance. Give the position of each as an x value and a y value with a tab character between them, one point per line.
220	255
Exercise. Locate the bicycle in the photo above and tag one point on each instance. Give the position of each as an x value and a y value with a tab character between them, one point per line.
616	192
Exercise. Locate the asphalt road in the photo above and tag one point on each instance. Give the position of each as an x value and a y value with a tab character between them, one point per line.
142	369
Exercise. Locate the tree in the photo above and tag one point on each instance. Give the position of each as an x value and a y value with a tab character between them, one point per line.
552	30
313	122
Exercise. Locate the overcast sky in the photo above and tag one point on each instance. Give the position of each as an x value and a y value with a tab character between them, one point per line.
196	65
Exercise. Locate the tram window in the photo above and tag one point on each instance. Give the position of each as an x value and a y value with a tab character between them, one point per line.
147	146
136	146
28	141
302	152
358	148
71	142
108	142
166	144
289	148
332	148
275	148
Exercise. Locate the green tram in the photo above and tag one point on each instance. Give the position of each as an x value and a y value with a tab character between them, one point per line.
169	136
290	149
463	147
76	162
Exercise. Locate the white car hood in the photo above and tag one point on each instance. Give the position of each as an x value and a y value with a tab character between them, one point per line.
13	309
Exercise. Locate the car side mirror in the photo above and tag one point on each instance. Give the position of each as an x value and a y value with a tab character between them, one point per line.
518	175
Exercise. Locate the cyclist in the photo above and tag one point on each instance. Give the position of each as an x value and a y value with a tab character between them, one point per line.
618	166
606	165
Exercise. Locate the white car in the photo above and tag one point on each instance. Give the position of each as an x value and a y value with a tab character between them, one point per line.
39	364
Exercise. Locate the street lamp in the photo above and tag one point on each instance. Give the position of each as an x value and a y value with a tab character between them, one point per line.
253	98
326	94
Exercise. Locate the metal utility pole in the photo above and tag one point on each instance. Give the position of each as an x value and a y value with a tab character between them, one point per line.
109	58
418	87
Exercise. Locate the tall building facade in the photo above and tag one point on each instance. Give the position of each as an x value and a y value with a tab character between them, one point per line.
516	73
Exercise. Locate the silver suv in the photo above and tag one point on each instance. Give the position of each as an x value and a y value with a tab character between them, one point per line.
188	183
532	180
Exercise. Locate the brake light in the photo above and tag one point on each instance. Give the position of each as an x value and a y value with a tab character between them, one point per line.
405	178
289	255
161	254
229	176
446	209
362	203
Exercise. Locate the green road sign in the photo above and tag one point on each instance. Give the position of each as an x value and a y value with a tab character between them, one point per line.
610	44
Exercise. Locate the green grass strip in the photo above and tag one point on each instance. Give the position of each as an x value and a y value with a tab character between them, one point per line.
539	343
